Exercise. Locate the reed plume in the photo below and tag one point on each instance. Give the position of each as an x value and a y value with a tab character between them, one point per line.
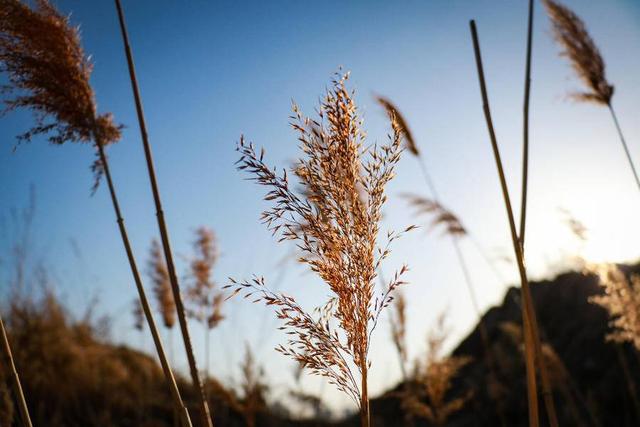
440	216
48	74
334	220
571	34
578	46
621	299
159	276
205	415
206	300
203	295
433	380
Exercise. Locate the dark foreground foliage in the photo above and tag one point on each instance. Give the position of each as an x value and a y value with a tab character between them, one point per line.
74	377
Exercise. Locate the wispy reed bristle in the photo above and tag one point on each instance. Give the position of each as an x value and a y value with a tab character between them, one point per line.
395	115
206	301
157	270
577	228
48	73
571	33
440	215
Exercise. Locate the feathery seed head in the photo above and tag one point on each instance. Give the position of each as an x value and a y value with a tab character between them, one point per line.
571	33
440	215
157	270
49	74
204	296
622	300
334	221
394	115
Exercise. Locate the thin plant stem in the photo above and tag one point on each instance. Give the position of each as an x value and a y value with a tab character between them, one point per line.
15	378
484	335
175	392
364	398
525	129
182	318
532	345
624	144
544	377
207	332
428	180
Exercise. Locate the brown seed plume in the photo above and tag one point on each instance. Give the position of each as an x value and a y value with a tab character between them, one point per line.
440	215
433	380
48	73
157	270
394	114
622	300
206	301
334	221
571	33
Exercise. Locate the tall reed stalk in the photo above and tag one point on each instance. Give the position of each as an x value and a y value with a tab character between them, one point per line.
15	378
578	46
205	414
547	393
533	348
49	74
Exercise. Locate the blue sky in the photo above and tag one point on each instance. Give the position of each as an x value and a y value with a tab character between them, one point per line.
210	71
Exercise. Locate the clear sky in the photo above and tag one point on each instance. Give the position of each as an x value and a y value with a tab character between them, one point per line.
210	71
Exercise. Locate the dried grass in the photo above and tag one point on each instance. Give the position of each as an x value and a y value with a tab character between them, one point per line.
394	114
571	33
440	216
48	73
621	299
157	271
204	296
334	220
433	380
